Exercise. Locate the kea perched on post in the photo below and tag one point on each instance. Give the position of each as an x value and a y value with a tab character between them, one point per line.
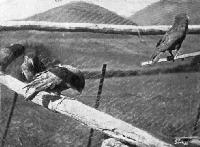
56	79
172	39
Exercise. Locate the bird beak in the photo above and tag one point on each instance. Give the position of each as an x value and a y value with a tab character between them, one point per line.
27	59
31	61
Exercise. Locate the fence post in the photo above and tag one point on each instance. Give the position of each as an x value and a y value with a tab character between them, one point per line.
97	101
9	120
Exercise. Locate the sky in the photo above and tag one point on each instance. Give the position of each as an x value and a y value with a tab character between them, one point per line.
18	9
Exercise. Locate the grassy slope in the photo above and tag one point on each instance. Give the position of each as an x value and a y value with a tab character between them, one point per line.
159	104
81	12
165	105
167	10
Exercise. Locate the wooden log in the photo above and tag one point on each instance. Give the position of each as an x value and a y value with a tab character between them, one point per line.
89	27
89	116
183	56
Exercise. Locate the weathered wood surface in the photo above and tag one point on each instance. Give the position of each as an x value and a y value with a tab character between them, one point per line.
89	27
89	116
183	56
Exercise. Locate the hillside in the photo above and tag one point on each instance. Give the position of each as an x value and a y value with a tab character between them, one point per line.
163	12
81	12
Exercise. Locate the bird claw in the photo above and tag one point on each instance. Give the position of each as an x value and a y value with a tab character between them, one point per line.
170	58
28	95
182	59
27	88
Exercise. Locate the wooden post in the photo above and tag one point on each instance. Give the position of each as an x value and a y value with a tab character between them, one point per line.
97	101
183	56
9	120
88	116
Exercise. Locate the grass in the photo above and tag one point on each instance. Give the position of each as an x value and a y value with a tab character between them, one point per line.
163	104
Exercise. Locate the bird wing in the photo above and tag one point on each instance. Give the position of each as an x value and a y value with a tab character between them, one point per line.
38	65
44	80
169	41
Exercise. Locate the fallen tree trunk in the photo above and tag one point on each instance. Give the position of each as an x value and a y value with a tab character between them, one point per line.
89	27
88	116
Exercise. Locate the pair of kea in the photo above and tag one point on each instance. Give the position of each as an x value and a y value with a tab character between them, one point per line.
54	78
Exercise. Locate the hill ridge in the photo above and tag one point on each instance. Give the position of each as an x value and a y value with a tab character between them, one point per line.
167	10
81	12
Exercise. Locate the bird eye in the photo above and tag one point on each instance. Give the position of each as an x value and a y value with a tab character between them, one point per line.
74	79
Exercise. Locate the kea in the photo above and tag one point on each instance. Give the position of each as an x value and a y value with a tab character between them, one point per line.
172	39
56	79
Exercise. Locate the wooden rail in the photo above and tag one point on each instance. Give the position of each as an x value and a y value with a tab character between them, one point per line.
183	56
88	116
89	27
